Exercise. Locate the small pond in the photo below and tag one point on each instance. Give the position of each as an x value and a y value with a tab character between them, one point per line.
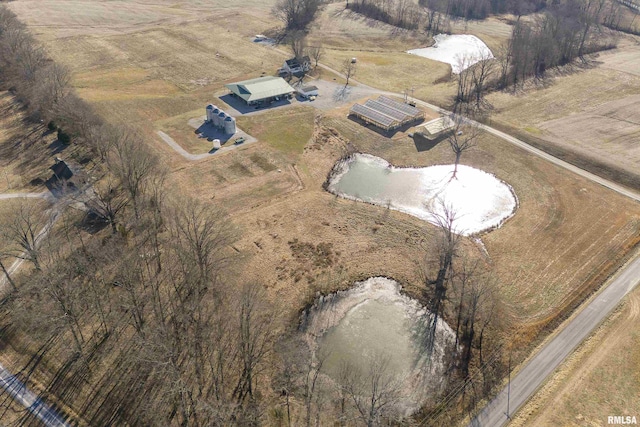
373	321
479	200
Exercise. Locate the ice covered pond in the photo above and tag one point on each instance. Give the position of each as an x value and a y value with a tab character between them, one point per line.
479	200
372	322
459	50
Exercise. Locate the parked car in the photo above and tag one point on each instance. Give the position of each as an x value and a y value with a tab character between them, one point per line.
239	140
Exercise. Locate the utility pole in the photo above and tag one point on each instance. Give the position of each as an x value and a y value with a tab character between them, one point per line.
509	387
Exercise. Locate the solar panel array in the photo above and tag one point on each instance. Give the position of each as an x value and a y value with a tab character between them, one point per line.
386	110
374	116
405	108
386	113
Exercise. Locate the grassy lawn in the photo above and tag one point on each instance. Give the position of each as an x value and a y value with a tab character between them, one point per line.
287	130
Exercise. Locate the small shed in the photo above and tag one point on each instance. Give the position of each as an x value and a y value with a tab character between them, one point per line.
437	127
308	91
60	170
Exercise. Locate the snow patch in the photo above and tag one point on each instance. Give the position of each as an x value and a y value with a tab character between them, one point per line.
461	51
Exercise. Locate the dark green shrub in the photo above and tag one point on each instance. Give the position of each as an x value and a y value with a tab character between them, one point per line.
64	137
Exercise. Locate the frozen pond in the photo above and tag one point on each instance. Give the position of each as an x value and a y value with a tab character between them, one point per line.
479	200
459	50
373	321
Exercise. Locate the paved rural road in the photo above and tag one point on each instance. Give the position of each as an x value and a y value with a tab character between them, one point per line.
43	195
193	157
16	389
535	372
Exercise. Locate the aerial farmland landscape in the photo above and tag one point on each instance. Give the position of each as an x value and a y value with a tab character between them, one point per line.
320	213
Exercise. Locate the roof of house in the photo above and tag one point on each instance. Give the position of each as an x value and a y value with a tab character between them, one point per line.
260	88
295	62
61	170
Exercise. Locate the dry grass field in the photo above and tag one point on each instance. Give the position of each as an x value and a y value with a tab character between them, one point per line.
600	379
571	233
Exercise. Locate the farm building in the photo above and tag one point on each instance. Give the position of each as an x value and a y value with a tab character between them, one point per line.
386	113
437	127
295	65
261	90
308	91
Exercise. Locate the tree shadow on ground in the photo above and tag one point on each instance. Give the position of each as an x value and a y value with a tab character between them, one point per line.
423	143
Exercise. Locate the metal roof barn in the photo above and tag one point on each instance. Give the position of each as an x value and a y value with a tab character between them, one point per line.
387	113
260	89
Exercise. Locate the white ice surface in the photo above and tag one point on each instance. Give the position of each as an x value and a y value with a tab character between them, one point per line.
459	50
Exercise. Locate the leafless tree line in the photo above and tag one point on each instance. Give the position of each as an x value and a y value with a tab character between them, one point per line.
145	322
480	9
400	13
461	289
147	327
564	32
39	83
355	395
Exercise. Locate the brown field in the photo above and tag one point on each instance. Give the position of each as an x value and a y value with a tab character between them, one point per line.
600	379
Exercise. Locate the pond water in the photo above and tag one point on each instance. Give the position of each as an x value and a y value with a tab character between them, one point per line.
478	199
373	322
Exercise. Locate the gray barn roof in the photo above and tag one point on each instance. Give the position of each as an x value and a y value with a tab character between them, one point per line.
260	88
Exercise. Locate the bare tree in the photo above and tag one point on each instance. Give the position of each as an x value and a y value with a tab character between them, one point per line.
6	273
297	43
462	137
349	69
109	201
24	232
256	328
316	53
133	163
296	14
374	391
481	73
438	266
